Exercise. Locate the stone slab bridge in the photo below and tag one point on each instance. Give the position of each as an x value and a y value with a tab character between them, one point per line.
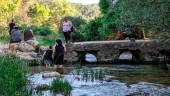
108	51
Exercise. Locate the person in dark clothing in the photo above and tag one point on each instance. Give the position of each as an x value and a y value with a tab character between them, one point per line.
59	53
28	34
47	60
11	26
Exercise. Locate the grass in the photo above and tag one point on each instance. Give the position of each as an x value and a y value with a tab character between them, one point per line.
61	86
12	76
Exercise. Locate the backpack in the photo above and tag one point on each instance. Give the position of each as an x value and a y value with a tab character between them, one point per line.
72	29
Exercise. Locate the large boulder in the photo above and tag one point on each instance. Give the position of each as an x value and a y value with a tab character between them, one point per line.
25	47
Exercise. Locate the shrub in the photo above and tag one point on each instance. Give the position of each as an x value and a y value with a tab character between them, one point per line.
12	76
42	30
91	29
60	85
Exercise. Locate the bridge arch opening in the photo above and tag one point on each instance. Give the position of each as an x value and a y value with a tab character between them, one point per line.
129	55
87	56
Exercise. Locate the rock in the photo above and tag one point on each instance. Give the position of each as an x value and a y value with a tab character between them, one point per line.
60	70
50	74
109	78
25	47
42	87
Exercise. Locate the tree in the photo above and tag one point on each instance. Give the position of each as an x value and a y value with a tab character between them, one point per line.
88	11
103	6
8	8
57	10
39	13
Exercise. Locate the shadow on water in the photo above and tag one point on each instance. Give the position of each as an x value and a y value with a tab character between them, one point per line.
111	80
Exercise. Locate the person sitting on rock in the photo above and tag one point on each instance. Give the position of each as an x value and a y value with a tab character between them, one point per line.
59	52
15	38
47	59
29	37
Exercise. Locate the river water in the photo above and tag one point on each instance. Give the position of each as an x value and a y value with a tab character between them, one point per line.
112	80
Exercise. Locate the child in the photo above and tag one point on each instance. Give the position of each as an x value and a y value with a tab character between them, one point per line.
59	53
47	60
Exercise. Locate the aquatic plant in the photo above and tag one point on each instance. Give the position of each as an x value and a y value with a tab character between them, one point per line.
61	86
77	68
12	76
92	75
99	73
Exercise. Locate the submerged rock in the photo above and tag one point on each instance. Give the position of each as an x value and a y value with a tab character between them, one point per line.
109	78
42	87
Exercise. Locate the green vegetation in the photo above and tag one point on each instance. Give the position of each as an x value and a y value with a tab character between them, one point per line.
142	18
61	86
150	16
104	5
88	11
12	76
77	68
45	17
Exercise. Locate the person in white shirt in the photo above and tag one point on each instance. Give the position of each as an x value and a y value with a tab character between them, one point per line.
66	28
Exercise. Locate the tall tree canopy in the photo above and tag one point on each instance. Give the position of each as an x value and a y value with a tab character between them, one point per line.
8	9
104	5
152	16
39	13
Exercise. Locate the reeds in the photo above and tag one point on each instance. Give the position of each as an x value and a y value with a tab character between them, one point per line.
61	86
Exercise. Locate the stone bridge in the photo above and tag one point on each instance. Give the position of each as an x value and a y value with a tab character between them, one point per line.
108	51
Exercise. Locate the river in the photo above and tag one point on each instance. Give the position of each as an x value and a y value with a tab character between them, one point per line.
117	80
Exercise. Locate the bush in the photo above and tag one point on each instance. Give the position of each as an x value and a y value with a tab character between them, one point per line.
59	85
77	37
42	30
91	29
12	76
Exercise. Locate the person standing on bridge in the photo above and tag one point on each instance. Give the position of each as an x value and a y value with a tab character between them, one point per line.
67	29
